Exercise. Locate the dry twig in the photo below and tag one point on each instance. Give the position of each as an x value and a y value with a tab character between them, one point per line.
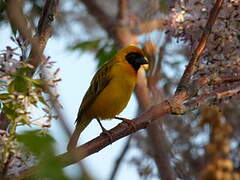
191	67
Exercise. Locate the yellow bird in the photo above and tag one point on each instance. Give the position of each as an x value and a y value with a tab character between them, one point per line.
110	90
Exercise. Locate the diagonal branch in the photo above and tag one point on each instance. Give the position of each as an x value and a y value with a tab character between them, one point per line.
122	130
44	31
191	67
119	132
100	142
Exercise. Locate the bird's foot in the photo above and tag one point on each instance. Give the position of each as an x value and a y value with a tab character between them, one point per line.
105	132
129	122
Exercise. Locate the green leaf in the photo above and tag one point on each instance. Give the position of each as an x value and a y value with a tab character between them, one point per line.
38	82
86	45
19	84
50	168
24	70
42	145
105	54
37	143
9	111
4	96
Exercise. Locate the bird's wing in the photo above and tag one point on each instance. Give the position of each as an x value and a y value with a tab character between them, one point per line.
98	83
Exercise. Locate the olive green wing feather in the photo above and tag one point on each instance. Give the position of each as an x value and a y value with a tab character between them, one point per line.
98	83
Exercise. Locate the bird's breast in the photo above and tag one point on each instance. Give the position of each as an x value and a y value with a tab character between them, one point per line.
114	98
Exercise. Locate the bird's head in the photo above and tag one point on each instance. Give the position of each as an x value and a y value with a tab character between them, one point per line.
133	56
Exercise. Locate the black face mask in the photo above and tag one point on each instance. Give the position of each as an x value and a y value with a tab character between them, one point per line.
136	60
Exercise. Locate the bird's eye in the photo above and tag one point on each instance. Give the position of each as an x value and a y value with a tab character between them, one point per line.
135	60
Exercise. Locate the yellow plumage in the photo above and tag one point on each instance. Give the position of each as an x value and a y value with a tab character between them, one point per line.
110	89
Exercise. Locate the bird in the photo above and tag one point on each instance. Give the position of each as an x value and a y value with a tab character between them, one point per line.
109	90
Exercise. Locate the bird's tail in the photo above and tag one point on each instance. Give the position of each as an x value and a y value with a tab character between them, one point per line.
81	125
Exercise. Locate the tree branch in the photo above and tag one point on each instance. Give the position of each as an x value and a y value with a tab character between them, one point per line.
19	21
118	132
122	130
191	67
220	93
44	31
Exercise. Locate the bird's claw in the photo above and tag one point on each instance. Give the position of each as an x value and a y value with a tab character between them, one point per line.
129	122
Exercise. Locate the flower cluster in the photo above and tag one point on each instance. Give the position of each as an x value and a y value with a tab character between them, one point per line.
187	23
26	97
21	94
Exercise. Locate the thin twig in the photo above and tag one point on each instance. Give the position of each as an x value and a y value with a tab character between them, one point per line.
231	90
120	158
44	31
191	67
20	22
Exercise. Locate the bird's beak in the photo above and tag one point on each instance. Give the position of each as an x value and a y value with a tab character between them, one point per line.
142	60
